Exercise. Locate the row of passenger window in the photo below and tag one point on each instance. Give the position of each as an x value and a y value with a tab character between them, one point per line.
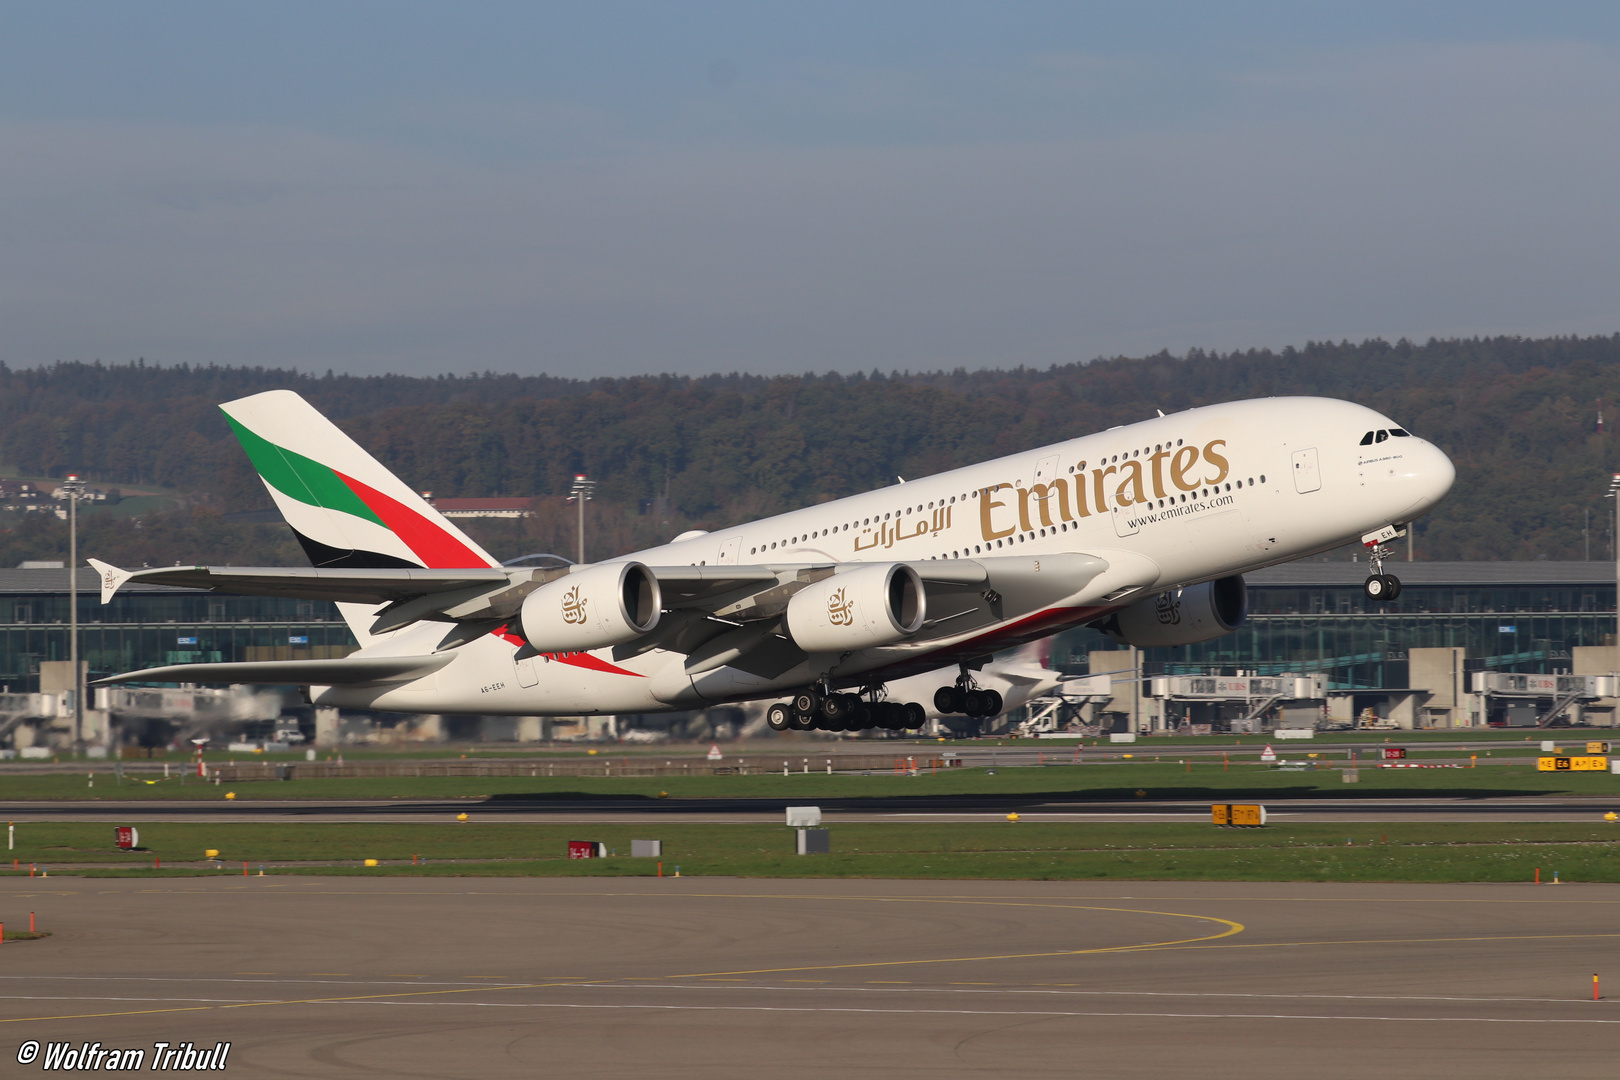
942	503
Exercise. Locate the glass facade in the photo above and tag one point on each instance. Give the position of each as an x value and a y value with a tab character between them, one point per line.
146	629
1332	629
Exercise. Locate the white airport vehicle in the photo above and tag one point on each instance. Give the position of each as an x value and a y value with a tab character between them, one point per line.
1143	530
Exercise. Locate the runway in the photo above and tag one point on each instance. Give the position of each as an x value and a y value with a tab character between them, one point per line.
719	978
564	810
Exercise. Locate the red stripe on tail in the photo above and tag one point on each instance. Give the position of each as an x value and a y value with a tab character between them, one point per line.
437	549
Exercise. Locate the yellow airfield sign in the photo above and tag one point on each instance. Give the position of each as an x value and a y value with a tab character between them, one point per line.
1572	764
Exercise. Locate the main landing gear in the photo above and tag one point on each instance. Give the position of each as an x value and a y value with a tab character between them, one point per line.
813	710
966	698
1380	588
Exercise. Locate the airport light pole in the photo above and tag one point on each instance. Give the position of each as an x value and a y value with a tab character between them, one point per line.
1614	493
74	488
580	494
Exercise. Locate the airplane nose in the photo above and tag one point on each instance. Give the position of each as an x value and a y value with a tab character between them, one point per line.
1425	477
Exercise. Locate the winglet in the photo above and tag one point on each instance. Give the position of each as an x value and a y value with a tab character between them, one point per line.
112	578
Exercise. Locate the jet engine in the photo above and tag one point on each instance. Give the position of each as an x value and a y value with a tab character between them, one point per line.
876	604
602	605
1182	616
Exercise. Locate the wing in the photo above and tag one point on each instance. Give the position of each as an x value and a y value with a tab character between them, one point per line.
350	671
713	615
963	594
304	583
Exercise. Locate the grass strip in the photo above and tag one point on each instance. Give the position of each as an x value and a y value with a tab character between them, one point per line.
1111	778
1397	851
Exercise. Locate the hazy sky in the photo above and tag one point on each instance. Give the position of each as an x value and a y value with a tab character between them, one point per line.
602	188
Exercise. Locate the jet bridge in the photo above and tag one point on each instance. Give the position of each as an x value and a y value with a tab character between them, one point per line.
1205	704
1538	701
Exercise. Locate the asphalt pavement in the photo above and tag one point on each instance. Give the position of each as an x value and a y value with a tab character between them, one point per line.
719	978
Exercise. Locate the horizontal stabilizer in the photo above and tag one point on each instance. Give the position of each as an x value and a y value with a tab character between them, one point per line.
345	672
354	586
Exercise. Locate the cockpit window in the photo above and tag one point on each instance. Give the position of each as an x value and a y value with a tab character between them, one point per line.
1382	435
1366	440
1399	433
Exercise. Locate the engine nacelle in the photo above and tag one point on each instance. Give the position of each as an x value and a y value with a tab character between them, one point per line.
606	604
872	605
1182	616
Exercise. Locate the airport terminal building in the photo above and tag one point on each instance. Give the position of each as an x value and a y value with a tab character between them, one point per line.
148	625
1306	619
1437	656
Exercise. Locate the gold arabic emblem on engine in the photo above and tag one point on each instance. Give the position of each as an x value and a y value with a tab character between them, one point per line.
573	606
840	609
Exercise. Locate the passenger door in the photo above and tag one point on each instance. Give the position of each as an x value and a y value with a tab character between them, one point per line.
527	673
1307	474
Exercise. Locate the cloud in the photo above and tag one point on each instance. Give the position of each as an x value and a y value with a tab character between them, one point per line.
1398	190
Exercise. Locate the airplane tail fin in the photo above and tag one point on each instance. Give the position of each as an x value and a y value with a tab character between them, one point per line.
346	509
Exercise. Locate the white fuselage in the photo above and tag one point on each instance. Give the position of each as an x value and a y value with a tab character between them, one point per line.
1177	499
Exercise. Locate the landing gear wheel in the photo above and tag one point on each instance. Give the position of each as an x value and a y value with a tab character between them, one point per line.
802	722
807	701
836	707
973	704
779	717
945	699
1381	588
992	703
916	716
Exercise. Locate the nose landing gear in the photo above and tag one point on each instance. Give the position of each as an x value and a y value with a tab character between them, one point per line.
1381	588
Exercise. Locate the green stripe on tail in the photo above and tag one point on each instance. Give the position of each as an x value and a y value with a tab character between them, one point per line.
301	478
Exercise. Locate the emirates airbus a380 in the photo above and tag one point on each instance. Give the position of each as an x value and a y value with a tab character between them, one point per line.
1143	531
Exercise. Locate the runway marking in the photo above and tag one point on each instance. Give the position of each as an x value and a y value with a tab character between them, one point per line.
97	997
393	1000
1231	928
355	999
1007	1012
907	988
1396	941
292	980
1002	988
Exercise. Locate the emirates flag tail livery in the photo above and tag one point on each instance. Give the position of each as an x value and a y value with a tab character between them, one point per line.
1143	531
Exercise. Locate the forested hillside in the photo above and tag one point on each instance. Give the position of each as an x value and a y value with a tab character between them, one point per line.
1516	415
